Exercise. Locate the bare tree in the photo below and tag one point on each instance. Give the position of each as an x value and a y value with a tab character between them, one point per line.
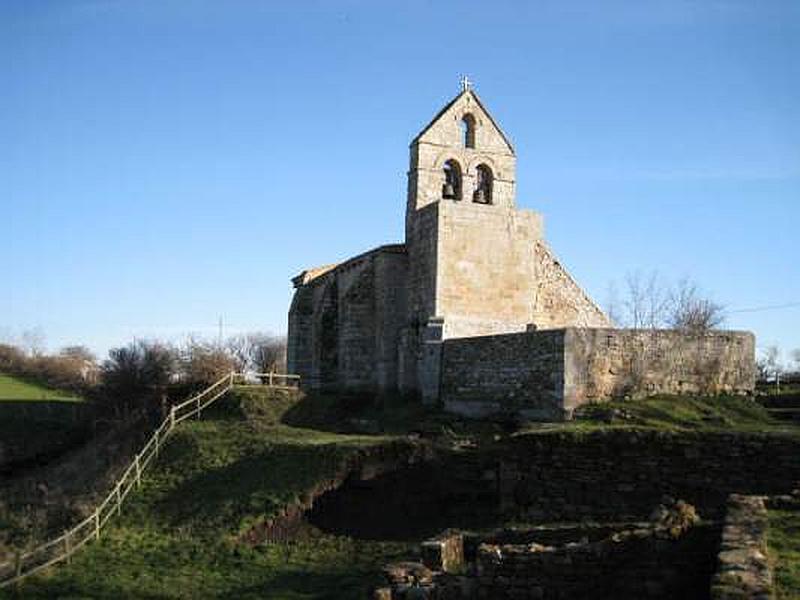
796	359
32	341
646	305
649	302
691	312
205	362
240	348
769	365
268	353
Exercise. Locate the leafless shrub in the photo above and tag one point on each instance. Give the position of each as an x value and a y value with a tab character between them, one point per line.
205	363
691	312
137	375
58	371
268	353
649	302
646	304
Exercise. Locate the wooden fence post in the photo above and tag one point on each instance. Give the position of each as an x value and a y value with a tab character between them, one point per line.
18	564
171	418
270	379
97	524
67	549
138	472
119	499
198	406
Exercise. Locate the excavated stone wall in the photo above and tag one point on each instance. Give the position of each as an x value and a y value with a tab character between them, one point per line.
623	474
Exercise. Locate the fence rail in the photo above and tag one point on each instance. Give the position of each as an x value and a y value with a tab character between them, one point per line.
63	547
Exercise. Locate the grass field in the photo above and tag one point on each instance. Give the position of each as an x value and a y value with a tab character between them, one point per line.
13	388
180	535
219	477
783	539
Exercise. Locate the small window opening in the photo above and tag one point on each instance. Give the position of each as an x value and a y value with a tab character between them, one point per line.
484	184
451	190
468	131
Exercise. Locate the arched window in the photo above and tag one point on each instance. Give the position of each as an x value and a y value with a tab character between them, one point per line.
451	190
484	184
468	131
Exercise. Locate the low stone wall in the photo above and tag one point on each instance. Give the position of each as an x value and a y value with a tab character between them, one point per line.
622	474
639	563
614	363
517	372
671	556
547	374
743	570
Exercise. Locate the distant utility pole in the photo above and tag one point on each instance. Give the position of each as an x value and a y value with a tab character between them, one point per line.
219	341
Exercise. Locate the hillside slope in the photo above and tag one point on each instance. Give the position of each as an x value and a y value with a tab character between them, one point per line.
219	479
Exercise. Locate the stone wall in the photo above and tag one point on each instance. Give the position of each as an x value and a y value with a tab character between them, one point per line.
522	373
547	374
623	474
670	556
485	267
743	570
345	323
558	300
640	563
613	363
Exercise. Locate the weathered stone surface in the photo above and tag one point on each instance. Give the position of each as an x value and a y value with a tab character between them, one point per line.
743	570
548	373
668	558
444	552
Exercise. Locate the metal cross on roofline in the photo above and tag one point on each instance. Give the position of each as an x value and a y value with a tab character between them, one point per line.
466	84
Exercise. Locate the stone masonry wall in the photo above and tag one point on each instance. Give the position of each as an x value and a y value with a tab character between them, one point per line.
546	374
558	301
345	324
743	569
623	474
513	372
642	563
485	267
612	363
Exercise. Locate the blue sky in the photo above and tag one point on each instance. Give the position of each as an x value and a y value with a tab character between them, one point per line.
164	163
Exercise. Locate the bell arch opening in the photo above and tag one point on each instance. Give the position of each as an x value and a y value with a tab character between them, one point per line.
484	185
468	131
451	189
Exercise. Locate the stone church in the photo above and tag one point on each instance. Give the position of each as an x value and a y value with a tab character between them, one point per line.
474	309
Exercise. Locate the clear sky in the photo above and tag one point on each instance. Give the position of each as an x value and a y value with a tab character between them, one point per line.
166	162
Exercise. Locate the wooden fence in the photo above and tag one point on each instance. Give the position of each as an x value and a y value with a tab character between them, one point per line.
63	547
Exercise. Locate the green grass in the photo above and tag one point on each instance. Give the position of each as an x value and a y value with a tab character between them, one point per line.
675	413
13	388
37	423
252	455
783	540
180	535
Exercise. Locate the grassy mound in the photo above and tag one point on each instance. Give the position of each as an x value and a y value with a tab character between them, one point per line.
38	423
179	536
680	413
13	388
